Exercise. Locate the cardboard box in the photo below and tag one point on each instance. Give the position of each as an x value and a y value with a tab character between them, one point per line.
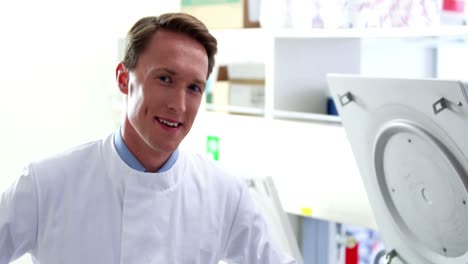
247	93
217	14
240	85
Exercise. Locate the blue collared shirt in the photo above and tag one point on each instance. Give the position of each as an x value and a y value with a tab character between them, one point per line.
132	161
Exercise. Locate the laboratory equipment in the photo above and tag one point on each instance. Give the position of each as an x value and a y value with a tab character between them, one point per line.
409	139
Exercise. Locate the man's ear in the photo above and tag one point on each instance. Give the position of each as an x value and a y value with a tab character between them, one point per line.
121	76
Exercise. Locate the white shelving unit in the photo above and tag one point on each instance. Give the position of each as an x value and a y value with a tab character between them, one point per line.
291	139
296	62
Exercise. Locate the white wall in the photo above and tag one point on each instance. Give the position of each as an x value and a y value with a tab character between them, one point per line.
57	64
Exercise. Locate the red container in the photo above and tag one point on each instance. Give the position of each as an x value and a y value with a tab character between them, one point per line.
456	6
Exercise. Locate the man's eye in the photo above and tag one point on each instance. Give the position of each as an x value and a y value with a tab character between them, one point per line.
164	78
195	88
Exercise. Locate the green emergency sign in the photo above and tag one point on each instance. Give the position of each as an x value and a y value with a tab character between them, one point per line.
212	147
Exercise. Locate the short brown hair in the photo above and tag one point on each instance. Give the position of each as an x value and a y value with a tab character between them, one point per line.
142	31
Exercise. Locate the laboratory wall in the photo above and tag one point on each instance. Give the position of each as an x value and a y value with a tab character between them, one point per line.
57	68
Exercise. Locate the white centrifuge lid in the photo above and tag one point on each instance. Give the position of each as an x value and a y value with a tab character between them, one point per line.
410	140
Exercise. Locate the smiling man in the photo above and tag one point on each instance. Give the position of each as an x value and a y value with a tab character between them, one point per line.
134	197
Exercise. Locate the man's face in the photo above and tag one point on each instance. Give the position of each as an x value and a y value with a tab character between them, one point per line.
164	92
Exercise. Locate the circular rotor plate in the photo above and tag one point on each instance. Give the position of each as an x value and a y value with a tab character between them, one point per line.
420	180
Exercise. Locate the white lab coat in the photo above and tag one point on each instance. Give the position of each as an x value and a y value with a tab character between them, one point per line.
87	206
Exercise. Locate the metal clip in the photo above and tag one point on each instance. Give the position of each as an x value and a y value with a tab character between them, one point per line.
346	98
440	105
390	256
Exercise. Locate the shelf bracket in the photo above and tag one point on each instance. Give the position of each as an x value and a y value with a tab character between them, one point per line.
440	105
346	98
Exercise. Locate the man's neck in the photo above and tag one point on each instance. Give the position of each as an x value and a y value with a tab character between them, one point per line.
151	160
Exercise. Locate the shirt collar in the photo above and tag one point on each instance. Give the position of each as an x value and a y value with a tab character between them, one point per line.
132	161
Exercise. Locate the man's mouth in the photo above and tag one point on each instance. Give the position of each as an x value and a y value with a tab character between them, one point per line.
168	123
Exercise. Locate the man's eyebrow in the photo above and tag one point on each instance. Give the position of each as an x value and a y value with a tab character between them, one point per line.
170	71
201	82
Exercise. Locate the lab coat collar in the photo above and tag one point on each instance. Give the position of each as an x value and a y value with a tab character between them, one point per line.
157	181
127	156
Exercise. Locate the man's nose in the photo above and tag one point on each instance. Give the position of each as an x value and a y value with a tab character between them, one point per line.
177	100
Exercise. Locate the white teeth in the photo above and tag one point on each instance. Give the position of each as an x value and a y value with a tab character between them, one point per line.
168	123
